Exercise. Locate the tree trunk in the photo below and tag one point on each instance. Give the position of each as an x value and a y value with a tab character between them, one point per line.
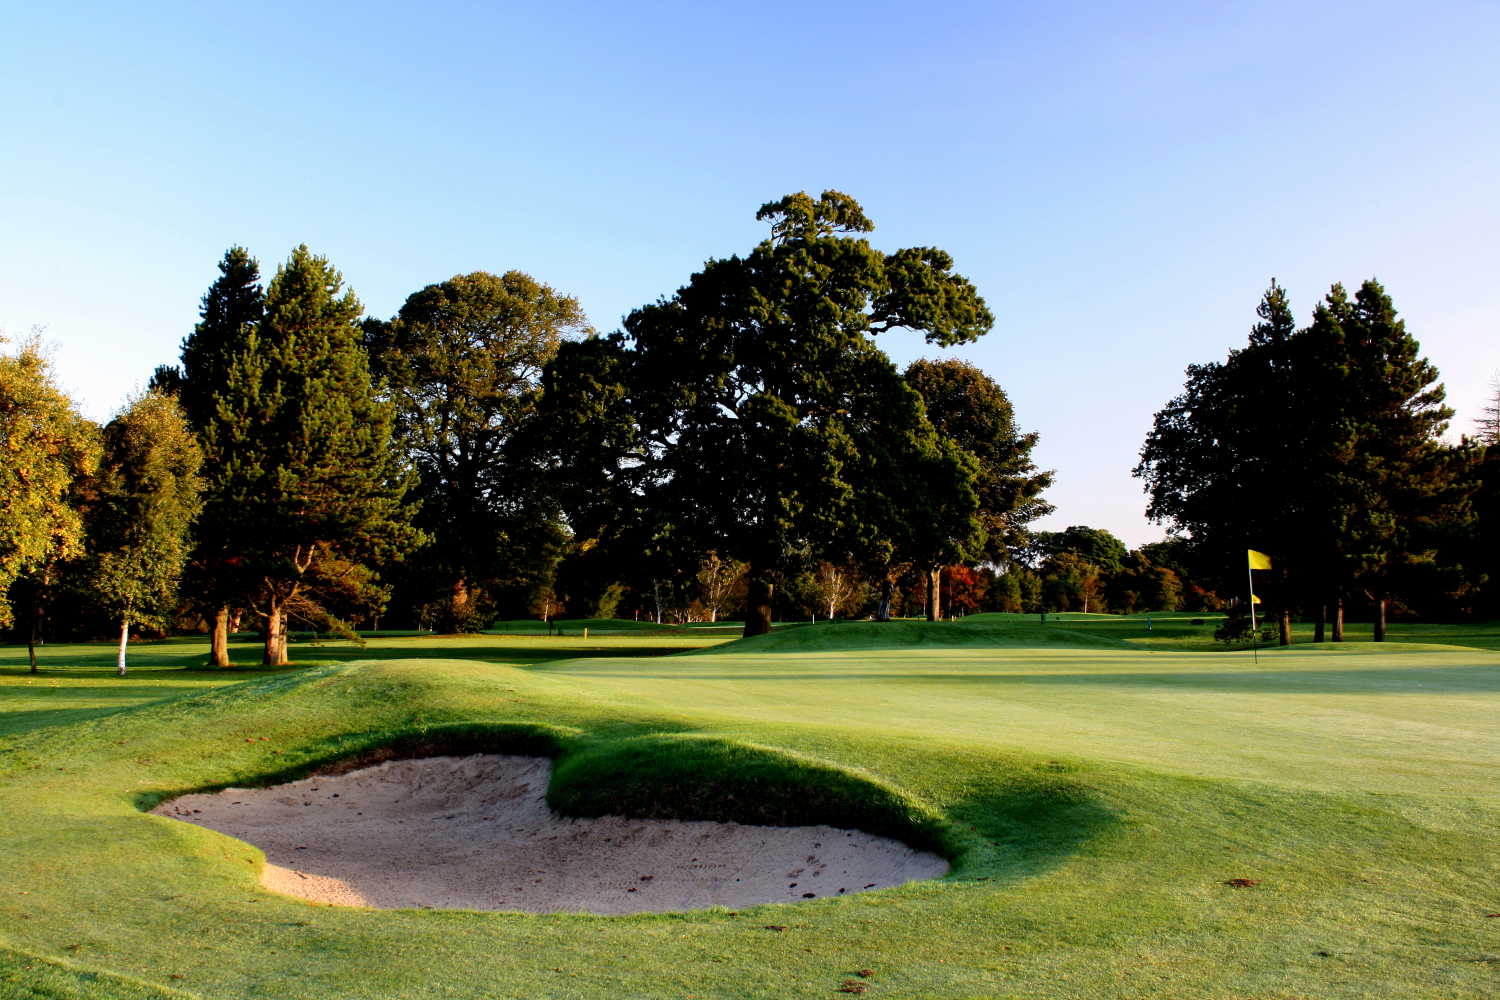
758	604
34	633
1338	619
275	653
1322	623
887	590
1380	620
218	642
1285	631
934	593
124	645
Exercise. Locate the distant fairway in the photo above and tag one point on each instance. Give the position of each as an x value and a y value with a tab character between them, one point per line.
1096	786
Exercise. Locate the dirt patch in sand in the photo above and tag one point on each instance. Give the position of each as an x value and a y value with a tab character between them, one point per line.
476	833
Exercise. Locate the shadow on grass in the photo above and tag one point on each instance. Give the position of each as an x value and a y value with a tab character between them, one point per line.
1478	679
1027	825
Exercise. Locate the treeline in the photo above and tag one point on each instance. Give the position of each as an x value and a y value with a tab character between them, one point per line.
741	446
1323	446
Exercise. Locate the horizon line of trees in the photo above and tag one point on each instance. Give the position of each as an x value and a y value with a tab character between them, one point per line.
484	451
742	445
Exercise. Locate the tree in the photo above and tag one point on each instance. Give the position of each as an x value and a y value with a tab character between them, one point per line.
230	311
717	580
1386	475
740	412
309	475
462	361
1319	447
46	448
1093	545
969	409
1488	425
1070	582
141	507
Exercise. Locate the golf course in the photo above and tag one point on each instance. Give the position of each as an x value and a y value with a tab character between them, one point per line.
1128	811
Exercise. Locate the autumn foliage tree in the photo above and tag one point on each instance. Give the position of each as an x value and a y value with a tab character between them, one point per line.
46	449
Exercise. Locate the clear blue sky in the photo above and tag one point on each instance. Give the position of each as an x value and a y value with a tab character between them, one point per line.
1120	181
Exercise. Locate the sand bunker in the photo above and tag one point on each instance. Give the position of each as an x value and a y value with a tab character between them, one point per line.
476	833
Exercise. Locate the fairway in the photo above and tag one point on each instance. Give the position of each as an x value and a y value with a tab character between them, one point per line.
1128	813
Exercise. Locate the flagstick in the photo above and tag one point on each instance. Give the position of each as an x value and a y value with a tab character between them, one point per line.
1254	629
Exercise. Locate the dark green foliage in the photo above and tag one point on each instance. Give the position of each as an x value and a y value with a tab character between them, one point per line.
463	361
747	413
969	409
1319	447
228	315
229	312
308	477
1092	545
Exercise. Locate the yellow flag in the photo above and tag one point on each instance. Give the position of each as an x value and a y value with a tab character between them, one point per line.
1259	560
1254	599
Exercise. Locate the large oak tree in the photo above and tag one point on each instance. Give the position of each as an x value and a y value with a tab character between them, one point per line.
736	415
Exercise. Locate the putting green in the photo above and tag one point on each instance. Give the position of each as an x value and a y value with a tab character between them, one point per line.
1098	794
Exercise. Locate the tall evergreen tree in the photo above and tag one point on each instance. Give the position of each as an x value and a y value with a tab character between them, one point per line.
230	311
310	477
1386	475
141	507
1319	447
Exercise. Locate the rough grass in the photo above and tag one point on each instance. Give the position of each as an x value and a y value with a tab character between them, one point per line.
1096	788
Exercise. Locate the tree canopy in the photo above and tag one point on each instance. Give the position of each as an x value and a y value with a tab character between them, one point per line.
462	361
734	416
309	481
141	506
1319	446
46	448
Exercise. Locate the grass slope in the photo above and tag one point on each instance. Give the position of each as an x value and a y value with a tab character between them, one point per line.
1096	786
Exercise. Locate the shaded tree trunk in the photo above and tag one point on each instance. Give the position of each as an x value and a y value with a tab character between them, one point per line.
1322	623
758	604
934	577
1338	619
34	633
218	641
1284	637
887	590
1380	620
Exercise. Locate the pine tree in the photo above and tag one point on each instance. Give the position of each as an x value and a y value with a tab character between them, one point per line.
230	311
1320	447
141	507
309	477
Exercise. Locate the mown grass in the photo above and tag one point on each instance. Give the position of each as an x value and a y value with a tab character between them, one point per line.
1095	792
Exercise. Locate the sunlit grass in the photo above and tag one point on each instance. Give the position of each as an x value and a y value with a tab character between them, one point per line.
1096	788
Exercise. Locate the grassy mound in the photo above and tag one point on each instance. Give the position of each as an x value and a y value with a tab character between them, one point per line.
691	776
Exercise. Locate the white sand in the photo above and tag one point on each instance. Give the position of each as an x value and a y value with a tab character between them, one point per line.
475	833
